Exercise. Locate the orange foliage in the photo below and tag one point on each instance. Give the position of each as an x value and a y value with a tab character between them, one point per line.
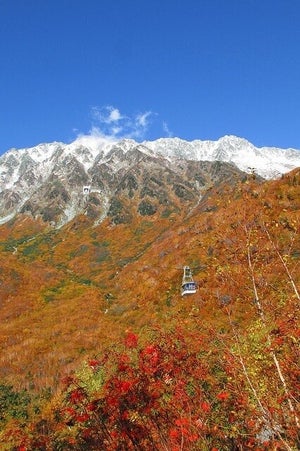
67	294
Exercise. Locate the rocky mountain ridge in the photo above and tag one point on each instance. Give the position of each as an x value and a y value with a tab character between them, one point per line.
100	177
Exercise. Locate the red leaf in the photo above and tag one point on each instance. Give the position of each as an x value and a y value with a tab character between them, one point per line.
125	386
223	395
181	422
131	340
174	433
76	396
94	364
205	406
82	418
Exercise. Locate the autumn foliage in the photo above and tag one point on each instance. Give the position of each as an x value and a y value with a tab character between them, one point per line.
100	351
173	393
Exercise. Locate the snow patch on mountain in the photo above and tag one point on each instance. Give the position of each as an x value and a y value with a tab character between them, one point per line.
39	162
58	170
7	218
268	162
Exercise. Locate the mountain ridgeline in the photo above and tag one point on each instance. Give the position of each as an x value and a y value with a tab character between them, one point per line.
99	178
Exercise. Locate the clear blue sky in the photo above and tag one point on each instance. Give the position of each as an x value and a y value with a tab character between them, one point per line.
196	69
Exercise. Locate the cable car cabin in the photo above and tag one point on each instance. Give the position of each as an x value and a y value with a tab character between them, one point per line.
188	285
86	190
188	288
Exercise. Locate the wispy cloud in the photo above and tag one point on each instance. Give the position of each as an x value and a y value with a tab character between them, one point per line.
142	119
107	114
166	130
109	123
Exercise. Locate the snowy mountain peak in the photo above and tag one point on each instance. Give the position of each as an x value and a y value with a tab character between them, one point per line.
234	142
268	162
57	171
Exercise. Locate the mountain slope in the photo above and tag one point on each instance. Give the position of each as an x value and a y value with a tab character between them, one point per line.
64	291
70	295
268	162
48	181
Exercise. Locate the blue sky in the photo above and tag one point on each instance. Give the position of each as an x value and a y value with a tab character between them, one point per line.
196	69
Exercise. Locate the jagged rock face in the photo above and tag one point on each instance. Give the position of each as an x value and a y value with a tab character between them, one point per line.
123	179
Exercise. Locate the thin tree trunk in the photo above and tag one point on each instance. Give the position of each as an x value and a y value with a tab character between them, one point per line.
263	320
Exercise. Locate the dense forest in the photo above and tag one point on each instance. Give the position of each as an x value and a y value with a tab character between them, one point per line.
99	350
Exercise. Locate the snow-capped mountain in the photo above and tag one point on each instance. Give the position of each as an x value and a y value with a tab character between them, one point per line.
56	181
268	162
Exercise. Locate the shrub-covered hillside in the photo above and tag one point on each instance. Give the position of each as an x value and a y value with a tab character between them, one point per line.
100	351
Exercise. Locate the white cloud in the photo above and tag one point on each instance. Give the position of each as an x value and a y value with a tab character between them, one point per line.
106	115
114	115
94	138
110	124
142	119
116	130
167	130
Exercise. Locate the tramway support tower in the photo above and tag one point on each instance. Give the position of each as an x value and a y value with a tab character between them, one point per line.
188	285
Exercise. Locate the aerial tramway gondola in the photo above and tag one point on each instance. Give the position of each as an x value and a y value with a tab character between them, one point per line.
188	285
